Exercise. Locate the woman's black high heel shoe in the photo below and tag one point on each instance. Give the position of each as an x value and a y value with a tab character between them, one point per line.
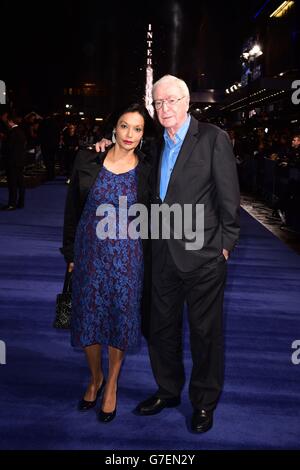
107	417
85	405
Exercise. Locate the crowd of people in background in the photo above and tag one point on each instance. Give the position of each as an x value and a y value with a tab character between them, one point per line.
280	145
278	183
49	142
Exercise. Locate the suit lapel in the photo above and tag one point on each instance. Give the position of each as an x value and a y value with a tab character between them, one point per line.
161	145
187	148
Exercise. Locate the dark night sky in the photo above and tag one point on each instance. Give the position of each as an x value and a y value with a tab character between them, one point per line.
49	45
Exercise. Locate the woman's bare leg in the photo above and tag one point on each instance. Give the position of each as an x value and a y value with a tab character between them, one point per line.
116	357
93	355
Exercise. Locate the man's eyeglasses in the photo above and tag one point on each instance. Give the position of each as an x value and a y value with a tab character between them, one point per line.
170	102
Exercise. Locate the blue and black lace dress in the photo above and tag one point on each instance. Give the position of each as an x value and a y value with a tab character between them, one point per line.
108	273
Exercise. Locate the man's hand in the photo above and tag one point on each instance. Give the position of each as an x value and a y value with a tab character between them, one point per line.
225	254
101	146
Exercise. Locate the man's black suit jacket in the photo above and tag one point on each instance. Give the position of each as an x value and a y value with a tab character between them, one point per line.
204	173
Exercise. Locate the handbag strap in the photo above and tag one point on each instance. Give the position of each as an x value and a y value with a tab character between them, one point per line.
67	282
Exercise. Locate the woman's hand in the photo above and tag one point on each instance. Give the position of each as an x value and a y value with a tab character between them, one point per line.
70	267
101	146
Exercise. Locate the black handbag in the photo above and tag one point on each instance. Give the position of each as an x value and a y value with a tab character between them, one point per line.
64	304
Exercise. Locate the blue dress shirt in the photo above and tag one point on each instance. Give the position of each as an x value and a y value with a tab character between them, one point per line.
170	154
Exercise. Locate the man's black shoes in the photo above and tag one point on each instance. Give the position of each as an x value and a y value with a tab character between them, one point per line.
155	405
202	420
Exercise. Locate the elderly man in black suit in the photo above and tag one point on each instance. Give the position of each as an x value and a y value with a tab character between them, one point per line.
196	166
193	165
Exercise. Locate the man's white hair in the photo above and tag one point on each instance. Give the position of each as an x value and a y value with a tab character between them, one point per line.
172	81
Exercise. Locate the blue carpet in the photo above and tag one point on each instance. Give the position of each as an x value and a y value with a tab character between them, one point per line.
44	377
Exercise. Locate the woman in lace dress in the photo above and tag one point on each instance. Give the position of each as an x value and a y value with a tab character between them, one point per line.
110	268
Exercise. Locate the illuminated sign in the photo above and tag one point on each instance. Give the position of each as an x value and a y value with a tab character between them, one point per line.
149	71
282	9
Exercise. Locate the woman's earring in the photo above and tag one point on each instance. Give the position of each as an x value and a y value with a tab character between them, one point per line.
141	144
113	138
